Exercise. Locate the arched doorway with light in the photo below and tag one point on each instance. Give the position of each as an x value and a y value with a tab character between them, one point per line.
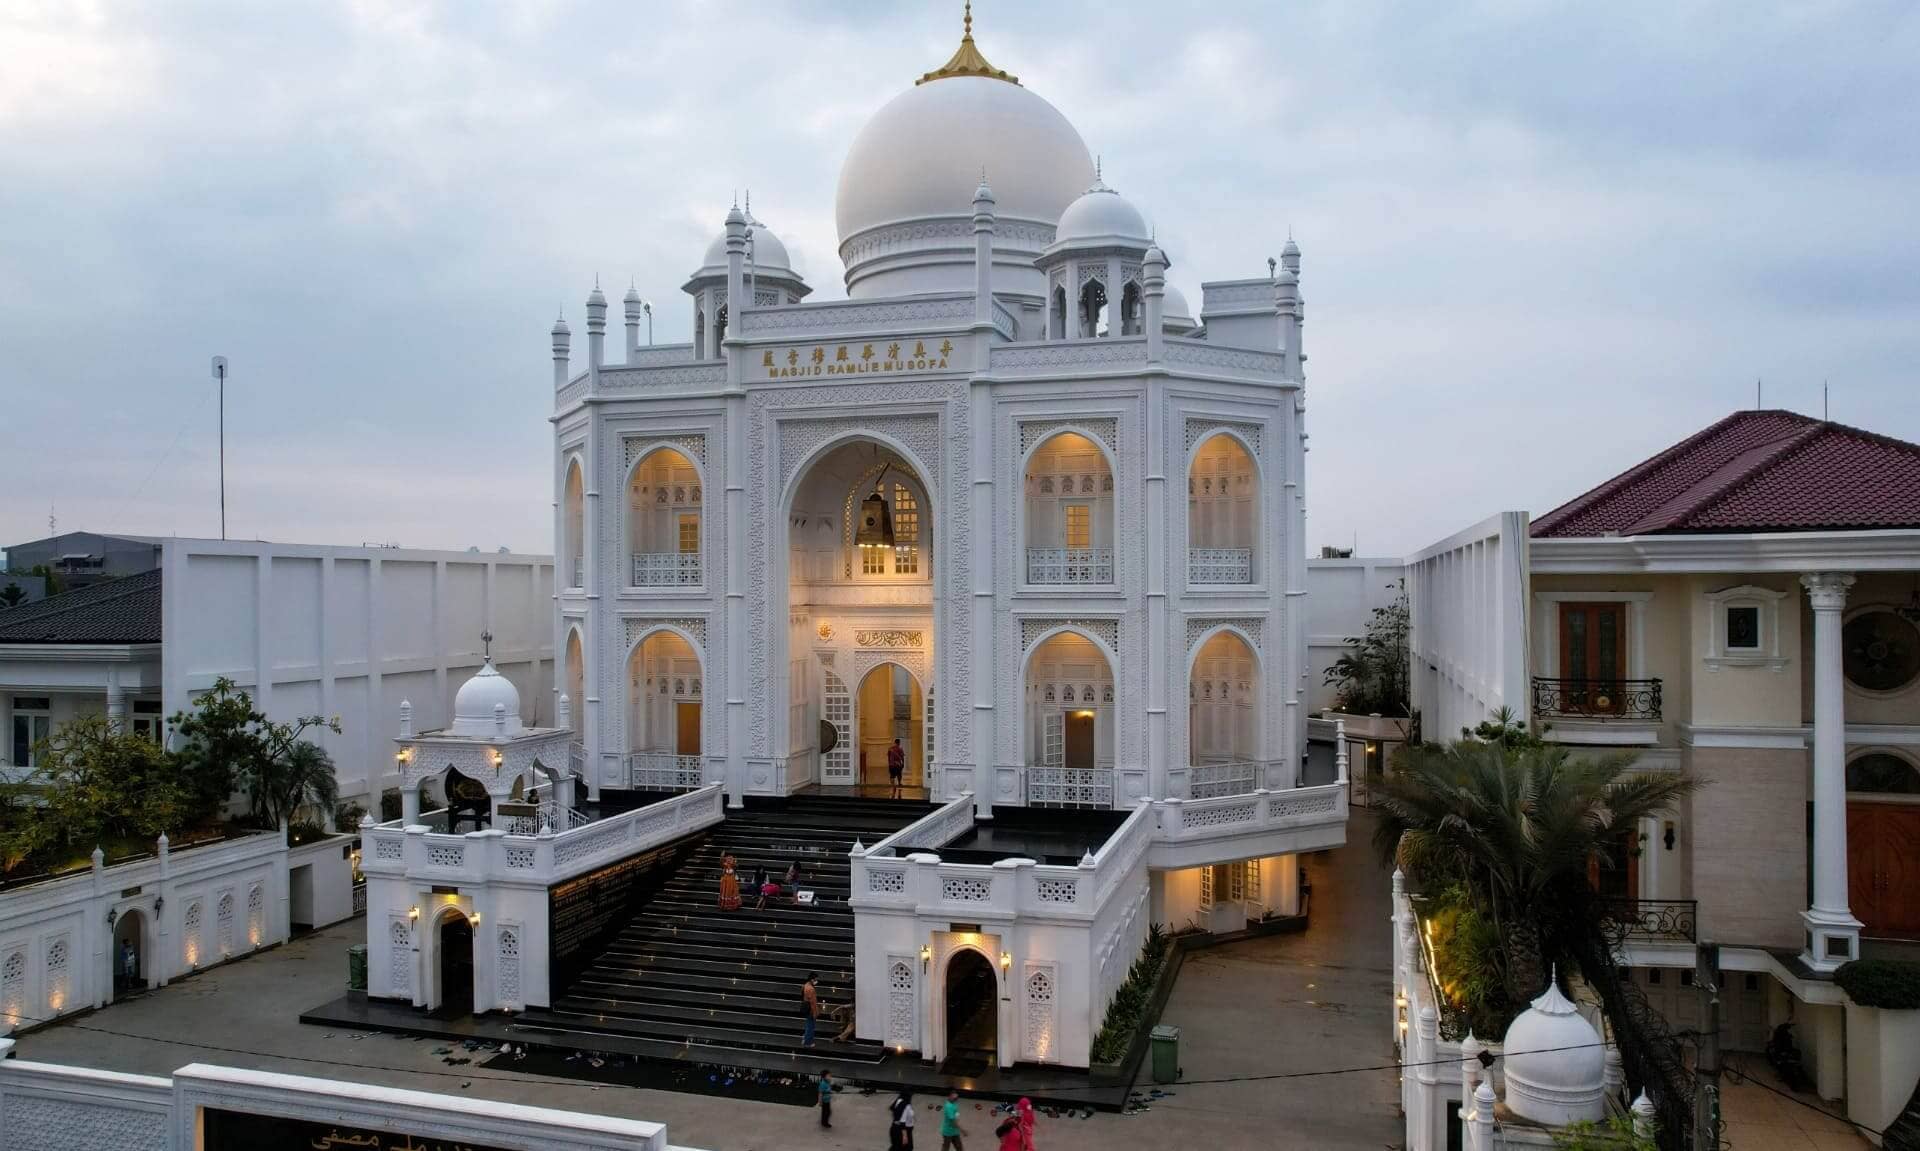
573	529
971	995
1071	723
666	690
129	956
454	947
889	707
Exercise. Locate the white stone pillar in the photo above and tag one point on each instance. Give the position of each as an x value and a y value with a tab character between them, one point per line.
409	804
596	336
116	702
1480	1129
1833	934
1116	322
633	304
1073	286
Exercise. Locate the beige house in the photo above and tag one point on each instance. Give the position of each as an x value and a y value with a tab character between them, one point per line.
1744	608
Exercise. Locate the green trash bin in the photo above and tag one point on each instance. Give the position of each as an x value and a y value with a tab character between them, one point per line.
1166	1054
357	967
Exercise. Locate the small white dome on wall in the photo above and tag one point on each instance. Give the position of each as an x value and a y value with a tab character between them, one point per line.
1556	1067
473	710
1101	213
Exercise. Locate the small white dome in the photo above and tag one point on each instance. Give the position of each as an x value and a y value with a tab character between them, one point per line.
1099	214
1555	1064
1174	310
769	254
473	705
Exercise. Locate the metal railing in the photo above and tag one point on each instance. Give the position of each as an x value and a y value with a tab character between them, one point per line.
1648	920
1239	777
662	771
1069	565
666	569
1069	786
1636	699
1219	565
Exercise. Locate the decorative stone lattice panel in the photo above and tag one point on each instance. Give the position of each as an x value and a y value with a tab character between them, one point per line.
13	988
914	661
1199	625
638	626
1102	428
1107	630
902	1006
964	889
1200	427
799	437
59	982
446	854
862	317
39	1123
1040	1013
256	917
1056	891
887	882
387	849
1127	350
223	924
693	446
519	857
400	956
1222	816
1199	353
507	968
1281	807
573	848
191	942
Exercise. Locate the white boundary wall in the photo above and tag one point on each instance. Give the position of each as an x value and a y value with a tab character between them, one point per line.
1468	596
1341	597
45	1106
352	631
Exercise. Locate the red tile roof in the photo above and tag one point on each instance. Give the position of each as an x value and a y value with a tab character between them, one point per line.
1755	471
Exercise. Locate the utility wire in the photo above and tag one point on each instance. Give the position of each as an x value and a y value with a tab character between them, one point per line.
1743	1077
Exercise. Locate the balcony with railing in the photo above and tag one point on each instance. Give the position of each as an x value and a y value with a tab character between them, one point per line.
1631	700
663	771
1239	777
1219	565
1069	566
666	569
1050	785
1652	920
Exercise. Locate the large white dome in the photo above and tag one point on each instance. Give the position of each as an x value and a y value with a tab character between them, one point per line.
769	253
1555	1062
1102	214
904	208
473	705
922	154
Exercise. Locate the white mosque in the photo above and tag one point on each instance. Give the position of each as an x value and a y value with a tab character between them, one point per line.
1010	518
1009	503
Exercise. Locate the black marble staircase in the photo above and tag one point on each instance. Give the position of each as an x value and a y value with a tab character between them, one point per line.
684	971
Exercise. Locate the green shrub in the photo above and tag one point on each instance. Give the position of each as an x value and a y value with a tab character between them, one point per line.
1127	1013
1890	983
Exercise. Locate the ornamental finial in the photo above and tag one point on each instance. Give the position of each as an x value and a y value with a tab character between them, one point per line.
486	642
967	60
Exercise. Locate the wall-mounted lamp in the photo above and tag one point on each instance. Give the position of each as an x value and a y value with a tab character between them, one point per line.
1668	837
1006	961
494	756
404	756
111	916
926	956
413	914
159	901
473	919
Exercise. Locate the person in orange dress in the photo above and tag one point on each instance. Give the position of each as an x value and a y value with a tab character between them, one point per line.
729	885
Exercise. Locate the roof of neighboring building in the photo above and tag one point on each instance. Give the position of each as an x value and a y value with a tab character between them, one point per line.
125	610
1755	471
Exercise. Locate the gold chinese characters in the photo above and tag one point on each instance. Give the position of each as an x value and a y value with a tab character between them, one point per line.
879	357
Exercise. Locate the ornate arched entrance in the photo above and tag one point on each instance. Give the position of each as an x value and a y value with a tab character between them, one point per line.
455	948
972	993
889	709
129	952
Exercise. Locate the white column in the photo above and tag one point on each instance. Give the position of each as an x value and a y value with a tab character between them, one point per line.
116	701
1833	934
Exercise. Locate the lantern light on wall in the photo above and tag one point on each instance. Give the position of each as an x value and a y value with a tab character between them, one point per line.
926	955
876	520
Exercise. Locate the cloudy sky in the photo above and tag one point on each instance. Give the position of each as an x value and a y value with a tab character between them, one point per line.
1541	241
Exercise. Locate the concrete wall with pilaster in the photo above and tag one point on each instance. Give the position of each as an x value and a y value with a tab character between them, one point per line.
1748	854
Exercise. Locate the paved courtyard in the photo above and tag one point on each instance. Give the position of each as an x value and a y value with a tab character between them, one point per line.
1279	1006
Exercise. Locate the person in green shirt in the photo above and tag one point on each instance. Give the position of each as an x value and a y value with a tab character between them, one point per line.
950	1132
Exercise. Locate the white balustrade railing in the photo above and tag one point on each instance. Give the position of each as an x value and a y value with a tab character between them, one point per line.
1183	820
796	771
1050	786
663	771
1236	777
577	759
666	569
931	831
390	850
1069	565
1219	565
579	572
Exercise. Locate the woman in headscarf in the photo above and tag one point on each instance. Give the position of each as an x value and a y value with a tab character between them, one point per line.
900	1131
1023	1111
729	885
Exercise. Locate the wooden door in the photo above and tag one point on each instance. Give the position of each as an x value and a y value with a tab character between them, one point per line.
686	718
1079	739
1619	878
1863	873
1593	655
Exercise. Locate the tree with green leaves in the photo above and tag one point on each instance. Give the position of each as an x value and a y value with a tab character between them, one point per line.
1372	675
13	595
1516	825
219	742
293	773
94	783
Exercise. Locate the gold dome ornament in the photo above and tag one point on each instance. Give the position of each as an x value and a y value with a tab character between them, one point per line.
967	60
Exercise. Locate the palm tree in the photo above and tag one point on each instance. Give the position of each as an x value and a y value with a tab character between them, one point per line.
1517	823
299	775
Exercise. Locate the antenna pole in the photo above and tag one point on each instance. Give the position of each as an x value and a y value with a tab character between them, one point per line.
220	374
1823	400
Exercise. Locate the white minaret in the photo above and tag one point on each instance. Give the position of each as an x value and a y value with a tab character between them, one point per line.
634	304
983	255
562	343
1290	260
596	336
1153	285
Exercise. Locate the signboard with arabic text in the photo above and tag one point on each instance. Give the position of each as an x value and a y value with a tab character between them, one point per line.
239	1131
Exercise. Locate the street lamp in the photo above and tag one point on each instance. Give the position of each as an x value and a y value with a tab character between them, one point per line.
220	374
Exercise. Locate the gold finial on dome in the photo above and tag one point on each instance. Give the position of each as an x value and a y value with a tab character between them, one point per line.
967	60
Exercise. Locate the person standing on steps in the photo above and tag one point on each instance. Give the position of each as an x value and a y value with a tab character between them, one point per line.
900	1131
950	1131
896	765
810	1003
764	884
826	1098
729	885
